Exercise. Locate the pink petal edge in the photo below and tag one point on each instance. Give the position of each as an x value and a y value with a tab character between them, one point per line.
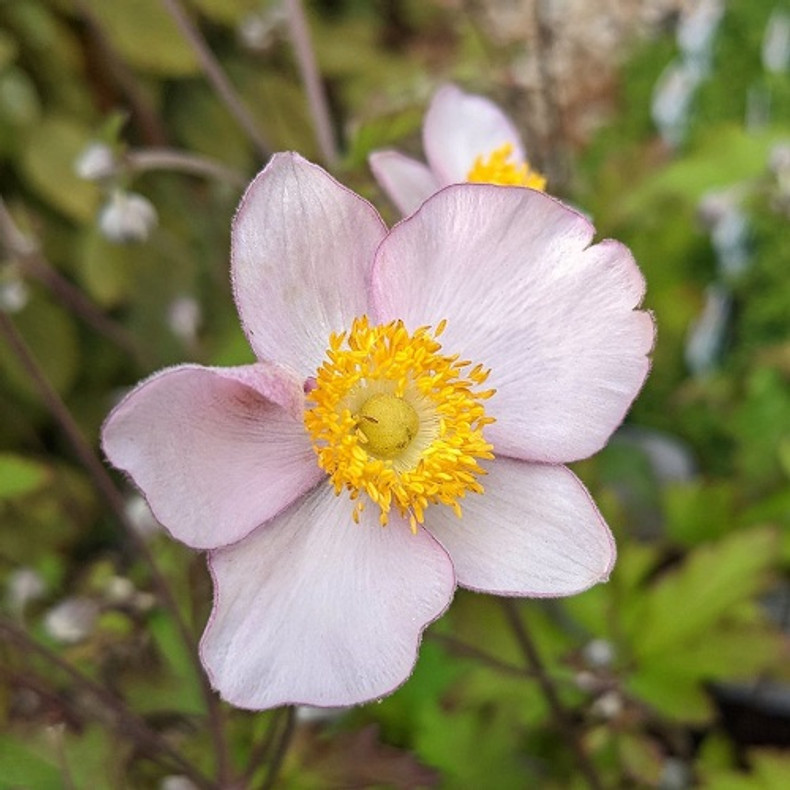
301	249
535	532
339	598
215	451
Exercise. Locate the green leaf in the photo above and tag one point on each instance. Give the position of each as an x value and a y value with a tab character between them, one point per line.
22	767
697	511
145	34
51	335
686	601
48	163
20	476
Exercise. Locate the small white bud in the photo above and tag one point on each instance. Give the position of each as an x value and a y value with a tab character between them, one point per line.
127	217
72	620
776	42
96	161
609	705
140	516
24	586
599	653
14	294
177	782
119	590
184	317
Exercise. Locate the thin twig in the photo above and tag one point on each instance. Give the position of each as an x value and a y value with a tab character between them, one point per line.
105	486
311	79
216	76
459	648
144	159
555	153
32	262
276	761
260	753
561	718
126	720
143	112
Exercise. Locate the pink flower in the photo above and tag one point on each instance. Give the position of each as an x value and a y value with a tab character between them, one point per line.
465	138
355	416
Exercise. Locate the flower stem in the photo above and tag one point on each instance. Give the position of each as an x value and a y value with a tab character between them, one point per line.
124	719
216	76
558	712
276	762
311	78
106	488
145	159
464	650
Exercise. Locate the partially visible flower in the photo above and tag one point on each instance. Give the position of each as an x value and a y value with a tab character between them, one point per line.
465	138
127	217
95	162
327	480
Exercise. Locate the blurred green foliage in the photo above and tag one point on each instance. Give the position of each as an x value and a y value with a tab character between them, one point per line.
635	661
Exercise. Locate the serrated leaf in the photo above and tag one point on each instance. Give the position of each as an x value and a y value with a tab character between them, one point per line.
687	600
20	476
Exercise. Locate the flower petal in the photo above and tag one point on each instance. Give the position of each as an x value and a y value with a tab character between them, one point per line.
216	451
523	293
535	532
301	249
314	609
459	127
407	182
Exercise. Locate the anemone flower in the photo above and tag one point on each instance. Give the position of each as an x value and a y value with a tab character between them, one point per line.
465	138
402	432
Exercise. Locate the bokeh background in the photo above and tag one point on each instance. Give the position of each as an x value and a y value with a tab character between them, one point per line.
123	153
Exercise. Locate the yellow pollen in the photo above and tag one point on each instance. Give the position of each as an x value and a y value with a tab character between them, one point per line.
392	417
498	168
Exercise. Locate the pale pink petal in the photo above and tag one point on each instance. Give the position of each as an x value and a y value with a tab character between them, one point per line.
216	451
535	532
459	127
407	182
512	271
301	248
314	609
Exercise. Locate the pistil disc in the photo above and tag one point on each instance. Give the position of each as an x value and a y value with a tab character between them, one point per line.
393	418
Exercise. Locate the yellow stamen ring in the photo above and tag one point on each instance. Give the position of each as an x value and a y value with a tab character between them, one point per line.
393	418
498	169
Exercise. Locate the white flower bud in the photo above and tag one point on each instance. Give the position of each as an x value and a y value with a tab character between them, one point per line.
776	42
127	217
184	317
14	294
24	585
72	620
96	161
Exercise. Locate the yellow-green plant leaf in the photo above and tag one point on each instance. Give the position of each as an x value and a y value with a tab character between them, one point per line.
20	476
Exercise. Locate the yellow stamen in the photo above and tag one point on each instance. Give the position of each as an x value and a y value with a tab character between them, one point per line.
393	418
498	169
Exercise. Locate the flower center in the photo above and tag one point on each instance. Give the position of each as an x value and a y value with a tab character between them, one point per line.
498	168
389	424
393	418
